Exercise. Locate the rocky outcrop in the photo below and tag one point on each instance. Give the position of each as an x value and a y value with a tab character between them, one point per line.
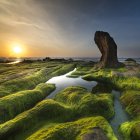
97	134
108	49
130	60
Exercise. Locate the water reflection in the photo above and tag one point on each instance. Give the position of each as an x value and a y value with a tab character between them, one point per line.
63	81
15	61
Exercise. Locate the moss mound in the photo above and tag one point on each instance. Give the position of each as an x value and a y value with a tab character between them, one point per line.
40	72
74	130
70	104
85	103
131	130
131	100
14	104
46	110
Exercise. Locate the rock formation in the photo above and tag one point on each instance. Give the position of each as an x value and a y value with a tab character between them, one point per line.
108	49
130	60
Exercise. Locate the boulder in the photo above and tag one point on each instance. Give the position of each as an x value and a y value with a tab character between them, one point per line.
108	49
96	134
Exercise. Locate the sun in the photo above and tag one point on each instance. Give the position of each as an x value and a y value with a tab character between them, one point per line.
17	49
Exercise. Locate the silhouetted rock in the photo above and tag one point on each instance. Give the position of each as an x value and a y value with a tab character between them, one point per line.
47	59
97	134
108	49
131	60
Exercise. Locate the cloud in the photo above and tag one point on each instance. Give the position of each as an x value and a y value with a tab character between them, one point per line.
68	25
26	20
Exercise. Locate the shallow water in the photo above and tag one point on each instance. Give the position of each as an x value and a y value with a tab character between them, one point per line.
120	114
14	62
63	81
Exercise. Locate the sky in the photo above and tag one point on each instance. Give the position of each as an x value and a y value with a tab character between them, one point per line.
65	28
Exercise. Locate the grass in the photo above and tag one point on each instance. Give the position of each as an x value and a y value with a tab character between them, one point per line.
14	104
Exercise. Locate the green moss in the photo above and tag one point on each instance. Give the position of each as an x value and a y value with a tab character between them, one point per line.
47	110
96	105
71	95
85	103
118	82
64	69
42	72
70	104
74	130
131	130
25	83
45	118
131	100
130	97
14	104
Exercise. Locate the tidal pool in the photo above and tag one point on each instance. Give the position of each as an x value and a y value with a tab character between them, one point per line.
61	82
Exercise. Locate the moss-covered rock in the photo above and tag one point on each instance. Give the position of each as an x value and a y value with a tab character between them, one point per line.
74	130
131	100
131	130
70	104
14	104
47	110
85	103
38	73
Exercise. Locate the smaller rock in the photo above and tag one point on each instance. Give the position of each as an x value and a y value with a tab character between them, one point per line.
131	60
97	134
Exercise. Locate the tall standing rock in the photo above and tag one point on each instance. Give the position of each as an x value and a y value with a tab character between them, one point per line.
108	49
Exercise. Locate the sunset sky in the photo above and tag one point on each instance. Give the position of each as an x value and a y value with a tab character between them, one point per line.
66	27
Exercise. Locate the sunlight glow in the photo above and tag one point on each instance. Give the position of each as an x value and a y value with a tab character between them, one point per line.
17	49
